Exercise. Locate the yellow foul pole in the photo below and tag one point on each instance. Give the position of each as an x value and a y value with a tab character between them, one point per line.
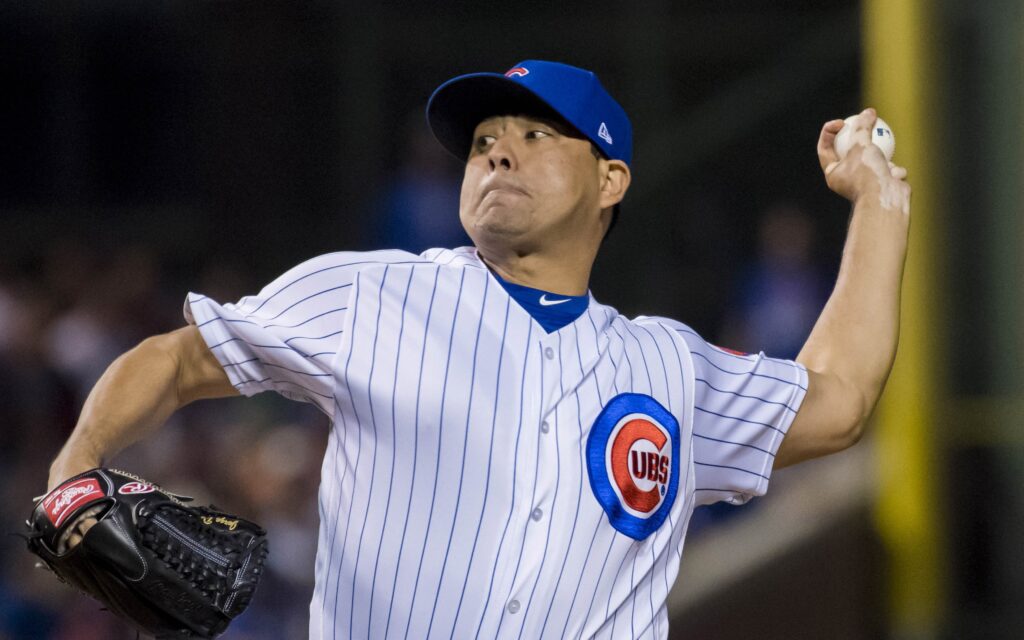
900	81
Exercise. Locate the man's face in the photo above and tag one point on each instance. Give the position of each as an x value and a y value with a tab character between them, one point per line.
529	184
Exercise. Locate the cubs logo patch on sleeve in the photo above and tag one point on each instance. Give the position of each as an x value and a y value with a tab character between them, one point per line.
633	463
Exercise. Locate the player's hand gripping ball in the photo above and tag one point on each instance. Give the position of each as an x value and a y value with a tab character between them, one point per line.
881	136
864	171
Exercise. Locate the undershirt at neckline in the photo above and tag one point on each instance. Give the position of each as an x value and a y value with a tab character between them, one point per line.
552	311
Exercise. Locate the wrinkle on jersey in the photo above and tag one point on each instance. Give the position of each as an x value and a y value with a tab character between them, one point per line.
416	413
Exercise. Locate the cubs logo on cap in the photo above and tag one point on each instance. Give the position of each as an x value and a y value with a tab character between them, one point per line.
633	463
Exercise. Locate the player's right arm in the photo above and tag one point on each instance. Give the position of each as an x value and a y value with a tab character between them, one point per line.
136	395
851	349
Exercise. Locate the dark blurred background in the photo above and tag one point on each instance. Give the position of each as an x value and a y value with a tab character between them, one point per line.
149	149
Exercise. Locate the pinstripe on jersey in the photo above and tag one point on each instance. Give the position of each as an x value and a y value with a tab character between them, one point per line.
454	498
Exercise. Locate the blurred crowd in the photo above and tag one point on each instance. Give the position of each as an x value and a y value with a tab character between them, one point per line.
70	308
64	316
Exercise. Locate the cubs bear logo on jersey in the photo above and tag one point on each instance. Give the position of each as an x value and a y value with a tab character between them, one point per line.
633	463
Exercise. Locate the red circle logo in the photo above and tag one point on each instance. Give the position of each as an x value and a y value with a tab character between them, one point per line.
639	460
135	487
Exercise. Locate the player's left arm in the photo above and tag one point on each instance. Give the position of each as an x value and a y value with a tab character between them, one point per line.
851	349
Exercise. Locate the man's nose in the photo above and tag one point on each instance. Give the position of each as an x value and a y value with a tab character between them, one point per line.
502	154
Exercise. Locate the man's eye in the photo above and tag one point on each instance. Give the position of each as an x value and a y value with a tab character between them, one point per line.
483	141
537	133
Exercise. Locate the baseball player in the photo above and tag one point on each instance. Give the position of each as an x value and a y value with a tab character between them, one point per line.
509	457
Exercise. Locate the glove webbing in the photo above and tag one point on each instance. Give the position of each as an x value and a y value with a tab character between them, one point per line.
196	552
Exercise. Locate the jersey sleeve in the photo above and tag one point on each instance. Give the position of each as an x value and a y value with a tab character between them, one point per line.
743	406
284	339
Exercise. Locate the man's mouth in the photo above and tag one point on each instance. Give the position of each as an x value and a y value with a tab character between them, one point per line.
504	187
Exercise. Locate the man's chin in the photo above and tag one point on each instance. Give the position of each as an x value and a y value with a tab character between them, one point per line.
500	221
498	235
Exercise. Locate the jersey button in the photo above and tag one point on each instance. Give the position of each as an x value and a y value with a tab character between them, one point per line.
545	427
549	353
537	514
513	606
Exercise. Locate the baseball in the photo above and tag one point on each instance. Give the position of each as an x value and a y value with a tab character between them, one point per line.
881	136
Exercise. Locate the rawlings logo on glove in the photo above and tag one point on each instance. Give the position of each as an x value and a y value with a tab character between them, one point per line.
168	568
136	487
69	497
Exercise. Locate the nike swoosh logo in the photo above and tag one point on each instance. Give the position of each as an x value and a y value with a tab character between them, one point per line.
547	303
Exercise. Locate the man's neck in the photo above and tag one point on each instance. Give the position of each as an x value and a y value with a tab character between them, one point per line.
562	274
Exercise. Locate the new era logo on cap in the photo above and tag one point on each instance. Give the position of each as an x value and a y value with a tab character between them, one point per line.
602	132
516	72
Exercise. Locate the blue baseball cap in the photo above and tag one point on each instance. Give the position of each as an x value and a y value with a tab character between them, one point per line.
534	87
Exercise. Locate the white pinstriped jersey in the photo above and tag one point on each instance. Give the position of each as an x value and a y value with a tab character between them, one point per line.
486	479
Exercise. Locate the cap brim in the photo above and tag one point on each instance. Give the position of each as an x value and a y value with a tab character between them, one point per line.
459	105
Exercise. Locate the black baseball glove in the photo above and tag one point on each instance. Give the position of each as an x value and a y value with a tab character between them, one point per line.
170	569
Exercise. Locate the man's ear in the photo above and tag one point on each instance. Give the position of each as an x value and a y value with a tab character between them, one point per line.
615	178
